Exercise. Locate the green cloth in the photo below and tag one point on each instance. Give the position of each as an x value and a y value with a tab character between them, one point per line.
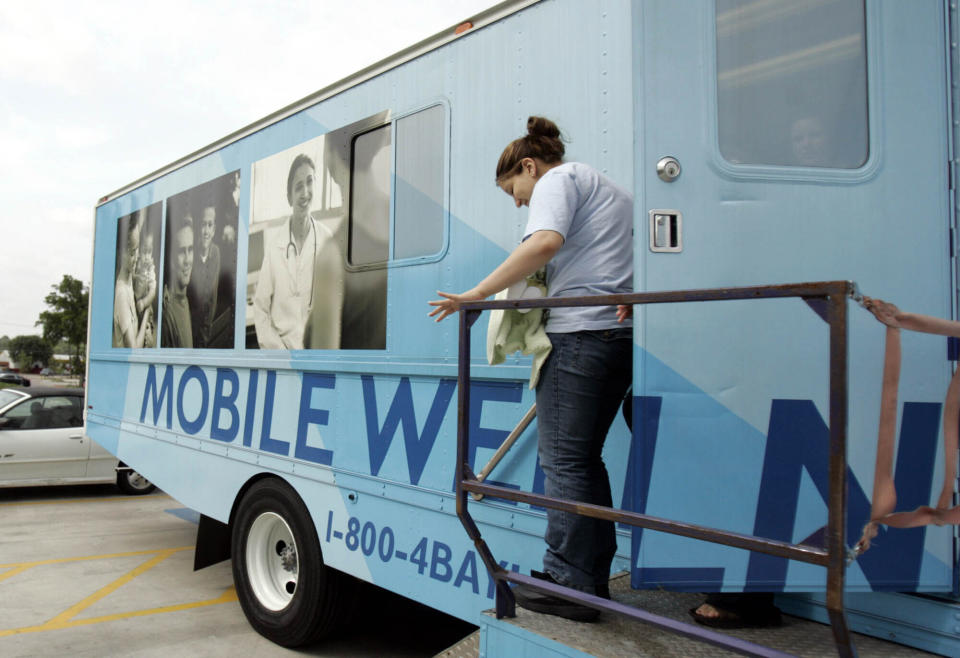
511	330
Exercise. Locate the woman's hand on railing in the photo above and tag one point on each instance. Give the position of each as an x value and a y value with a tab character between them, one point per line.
624	312
450	303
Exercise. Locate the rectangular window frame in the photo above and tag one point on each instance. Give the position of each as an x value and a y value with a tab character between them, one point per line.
391	261
765	172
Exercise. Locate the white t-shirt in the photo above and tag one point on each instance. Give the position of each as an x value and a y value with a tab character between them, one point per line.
595	217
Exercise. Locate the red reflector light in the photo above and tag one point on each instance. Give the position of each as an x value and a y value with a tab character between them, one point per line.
463	27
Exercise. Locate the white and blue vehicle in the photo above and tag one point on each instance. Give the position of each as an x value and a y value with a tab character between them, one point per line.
292	389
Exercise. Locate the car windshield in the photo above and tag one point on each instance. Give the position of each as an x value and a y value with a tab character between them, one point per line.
6	397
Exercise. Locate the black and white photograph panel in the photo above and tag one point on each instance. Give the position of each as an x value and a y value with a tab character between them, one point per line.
296	270
135	292
199	285
318	243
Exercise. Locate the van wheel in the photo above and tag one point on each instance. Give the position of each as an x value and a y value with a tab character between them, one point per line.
131	482
287	593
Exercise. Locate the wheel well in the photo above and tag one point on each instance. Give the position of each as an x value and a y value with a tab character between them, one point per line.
213	543
246	487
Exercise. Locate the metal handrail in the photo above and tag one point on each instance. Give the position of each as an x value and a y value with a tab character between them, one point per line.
829	299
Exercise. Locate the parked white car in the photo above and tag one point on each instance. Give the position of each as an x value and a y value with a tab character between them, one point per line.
42	443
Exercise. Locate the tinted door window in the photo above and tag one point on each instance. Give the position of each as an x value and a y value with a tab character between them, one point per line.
792	82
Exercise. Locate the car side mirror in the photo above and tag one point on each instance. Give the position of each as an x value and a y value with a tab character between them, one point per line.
4	422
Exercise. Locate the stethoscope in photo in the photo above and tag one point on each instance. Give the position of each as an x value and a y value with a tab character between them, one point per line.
294	279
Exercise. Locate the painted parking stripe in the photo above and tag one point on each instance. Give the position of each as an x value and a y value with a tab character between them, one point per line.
105	556
66	619
77	608
229	596
13	572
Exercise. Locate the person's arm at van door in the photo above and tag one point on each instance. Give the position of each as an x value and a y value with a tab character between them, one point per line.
529	256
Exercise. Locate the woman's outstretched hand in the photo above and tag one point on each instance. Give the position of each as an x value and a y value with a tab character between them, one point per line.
450	303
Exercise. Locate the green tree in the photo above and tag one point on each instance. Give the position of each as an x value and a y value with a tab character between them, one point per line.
66	318
27	350
4	342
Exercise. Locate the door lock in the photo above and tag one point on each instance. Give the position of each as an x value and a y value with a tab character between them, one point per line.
668	169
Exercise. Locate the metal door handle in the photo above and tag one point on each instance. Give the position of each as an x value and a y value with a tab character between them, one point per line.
666	231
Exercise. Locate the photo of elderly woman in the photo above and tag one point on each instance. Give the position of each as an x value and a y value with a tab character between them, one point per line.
135	294
210	288
296	291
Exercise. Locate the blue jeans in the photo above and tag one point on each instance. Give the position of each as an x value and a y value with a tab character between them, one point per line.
581	387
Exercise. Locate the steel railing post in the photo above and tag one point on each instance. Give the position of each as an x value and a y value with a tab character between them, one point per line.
837	504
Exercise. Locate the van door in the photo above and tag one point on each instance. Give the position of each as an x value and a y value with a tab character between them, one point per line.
786	142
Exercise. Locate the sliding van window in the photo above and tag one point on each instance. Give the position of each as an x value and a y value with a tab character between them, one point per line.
417	164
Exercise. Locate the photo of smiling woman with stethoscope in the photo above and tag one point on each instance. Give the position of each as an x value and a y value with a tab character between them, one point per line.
298	297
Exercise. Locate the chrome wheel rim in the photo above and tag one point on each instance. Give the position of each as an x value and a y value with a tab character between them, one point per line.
137	481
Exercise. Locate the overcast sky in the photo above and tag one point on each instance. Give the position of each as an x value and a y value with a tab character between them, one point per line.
95	95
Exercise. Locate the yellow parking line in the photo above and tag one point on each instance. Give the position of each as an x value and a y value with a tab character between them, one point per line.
228	596
105	556
14	571
66	618
76	609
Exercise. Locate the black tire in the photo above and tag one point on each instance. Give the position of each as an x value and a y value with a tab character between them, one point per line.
134	484
318	599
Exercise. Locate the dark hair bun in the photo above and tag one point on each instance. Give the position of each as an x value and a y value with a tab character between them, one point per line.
541	127
542	141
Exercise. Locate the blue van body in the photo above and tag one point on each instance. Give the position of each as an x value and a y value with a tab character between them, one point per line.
729	399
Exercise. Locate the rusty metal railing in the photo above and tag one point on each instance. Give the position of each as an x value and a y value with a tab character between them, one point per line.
829	300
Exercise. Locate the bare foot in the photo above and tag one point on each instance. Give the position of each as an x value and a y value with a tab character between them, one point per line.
750	615
708	611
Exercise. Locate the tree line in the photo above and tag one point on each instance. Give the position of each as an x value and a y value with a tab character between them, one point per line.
64	329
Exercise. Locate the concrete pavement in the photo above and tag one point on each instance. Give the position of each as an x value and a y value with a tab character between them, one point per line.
87	571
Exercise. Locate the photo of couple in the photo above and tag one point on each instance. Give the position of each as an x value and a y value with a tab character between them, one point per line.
201	265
